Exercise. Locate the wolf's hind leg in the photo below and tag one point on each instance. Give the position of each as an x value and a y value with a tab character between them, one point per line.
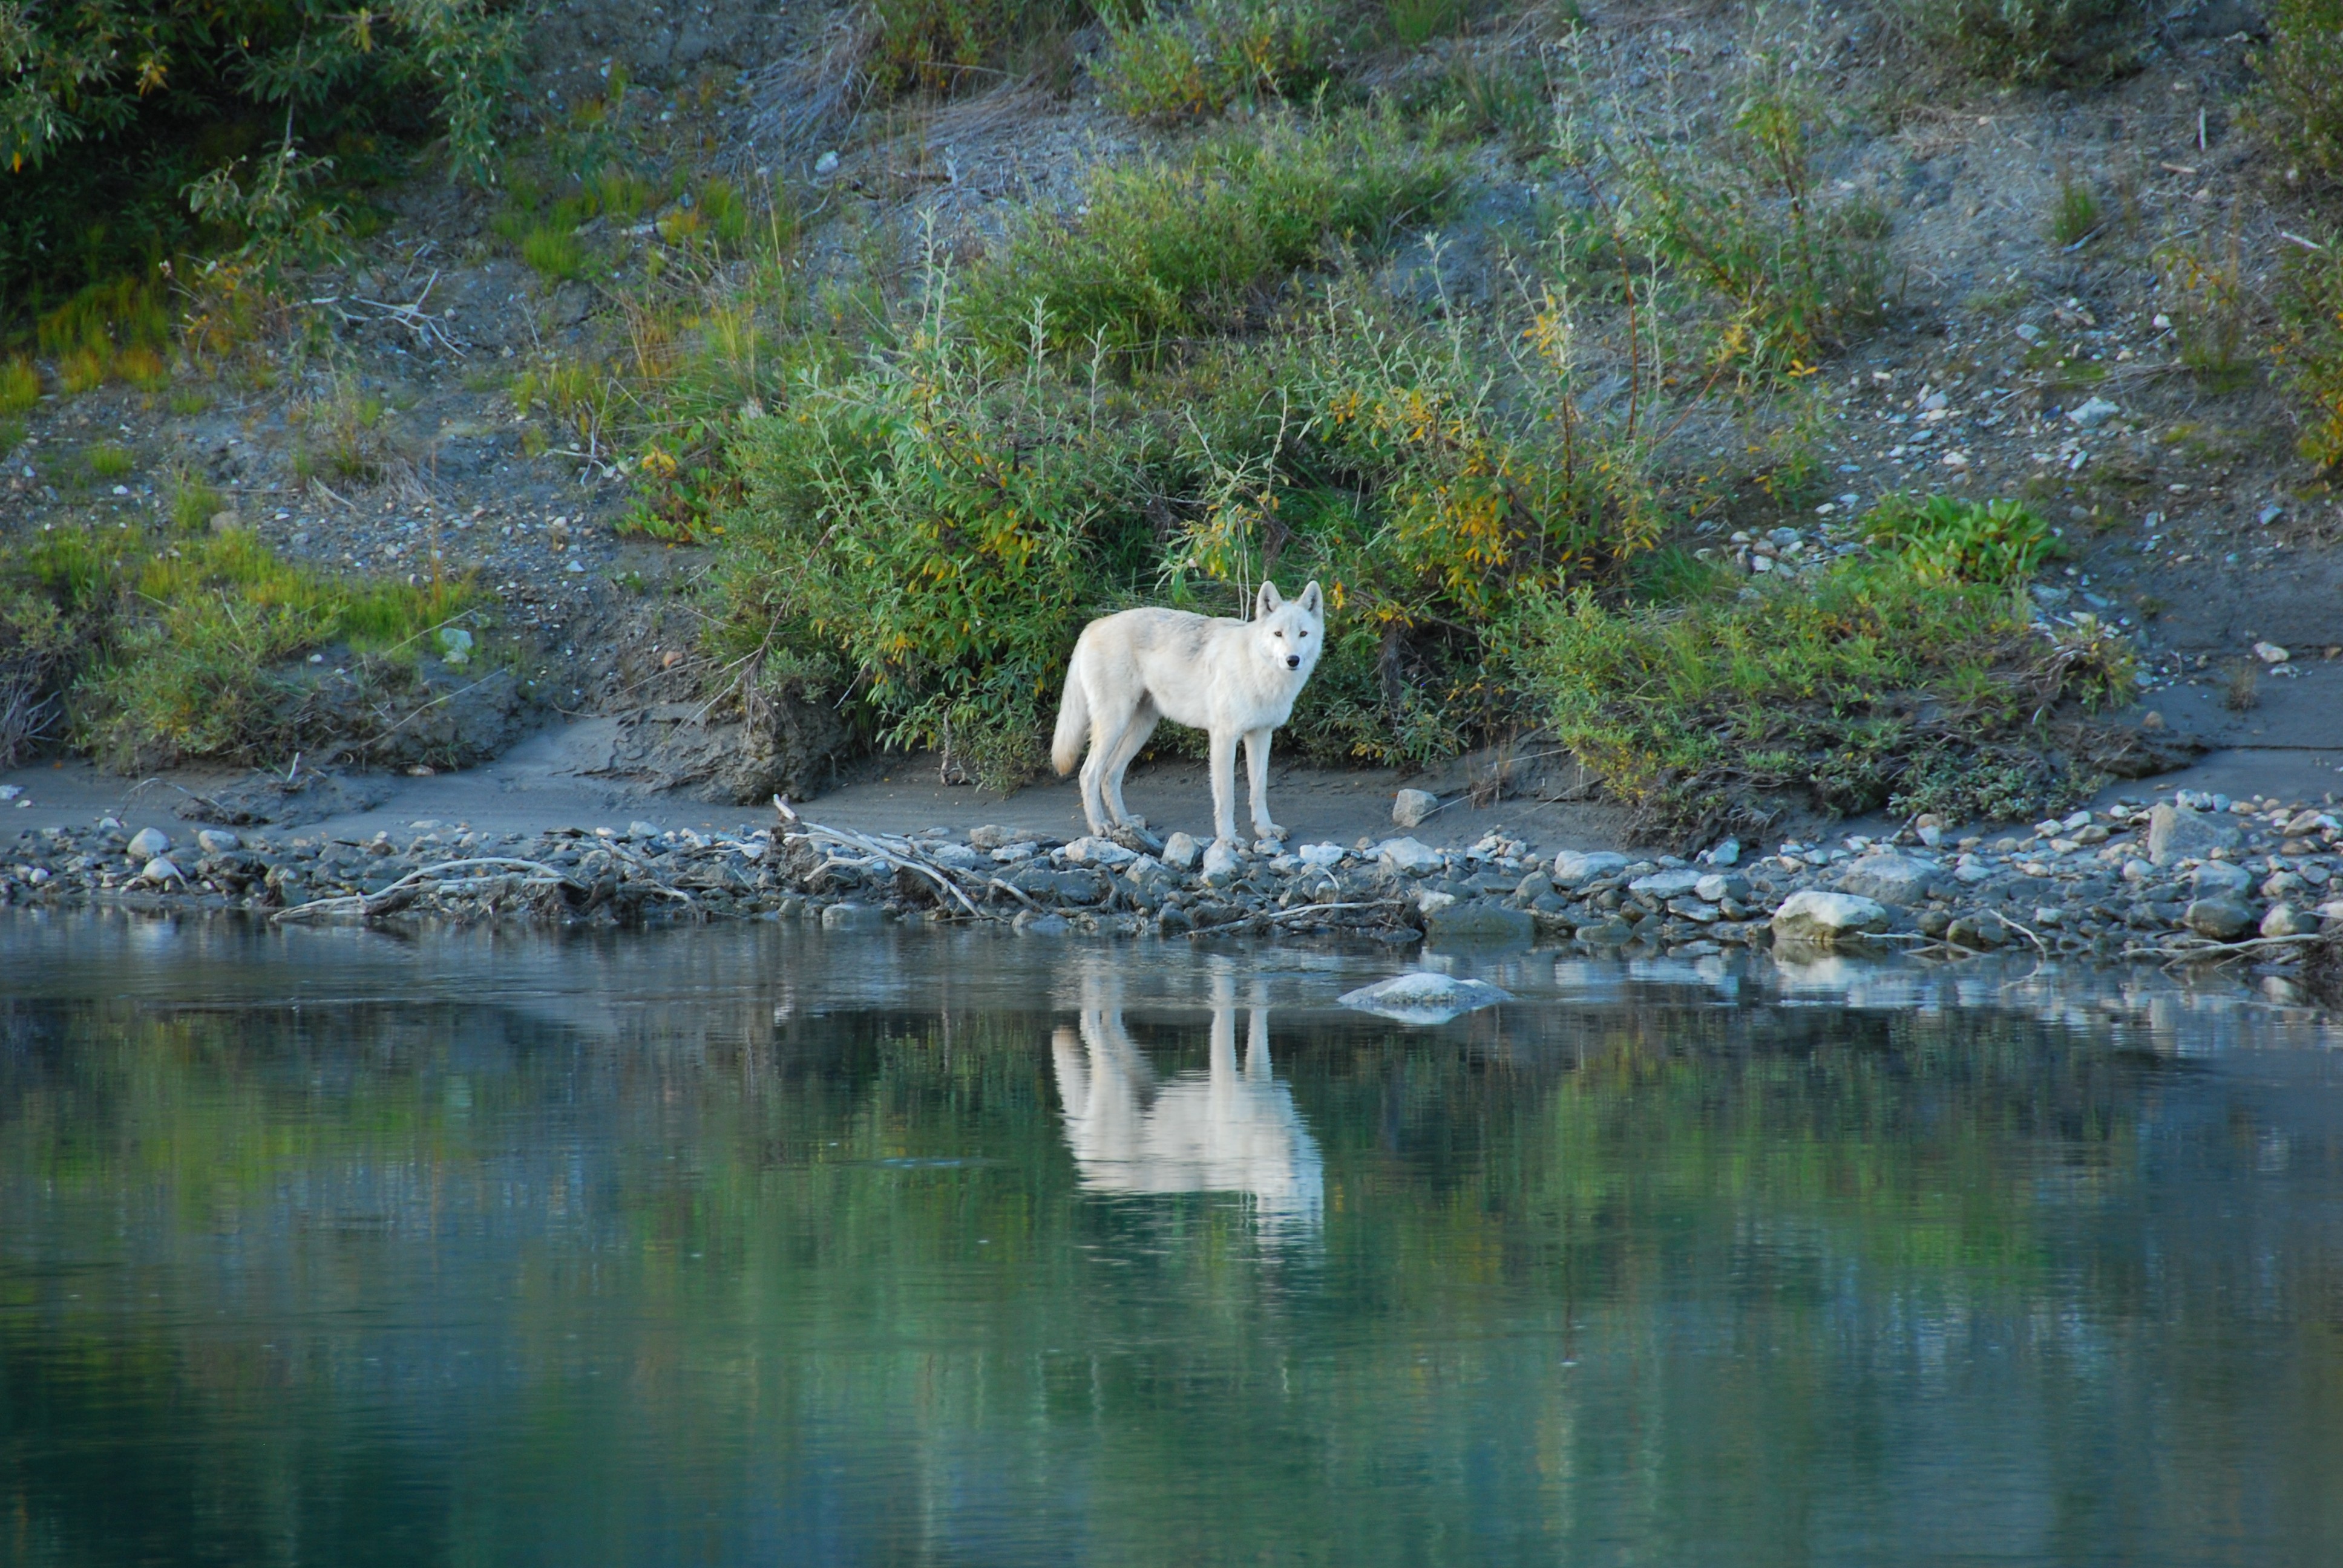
1142	723
1223	766
1109	722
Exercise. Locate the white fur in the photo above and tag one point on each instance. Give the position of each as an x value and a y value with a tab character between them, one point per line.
1233	679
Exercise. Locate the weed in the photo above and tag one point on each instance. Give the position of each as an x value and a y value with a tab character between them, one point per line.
1950	538
1165	64
82	370
2023	41
2241	685
2203	293
193	504
2309	346
555	253
143	368
1412	24
189	401
20	387
2076	215
341	434
935	44
108	462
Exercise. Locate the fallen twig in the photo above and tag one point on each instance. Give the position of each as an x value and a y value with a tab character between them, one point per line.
905	858
384	903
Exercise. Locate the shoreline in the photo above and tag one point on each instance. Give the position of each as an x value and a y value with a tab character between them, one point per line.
2178	876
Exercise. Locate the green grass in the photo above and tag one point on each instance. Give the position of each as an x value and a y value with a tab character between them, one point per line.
2076	214
20	387
165	655
2017	42
193	504
1166	63
555	253
1167	251
108	462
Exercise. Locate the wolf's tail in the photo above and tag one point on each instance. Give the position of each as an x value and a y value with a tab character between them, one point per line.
1073	719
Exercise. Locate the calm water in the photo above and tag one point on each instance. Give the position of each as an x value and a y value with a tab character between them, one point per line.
754	1247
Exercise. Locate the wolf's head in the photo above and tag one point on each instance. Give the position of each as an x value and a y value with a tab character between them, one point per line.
1291	631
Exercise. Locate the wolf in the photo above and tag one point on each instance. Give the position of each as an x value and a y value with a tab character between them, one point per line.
1230	678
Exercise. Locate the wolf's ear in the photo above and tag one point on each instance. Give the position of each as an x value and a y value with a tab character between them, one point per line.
1267	601
1313	602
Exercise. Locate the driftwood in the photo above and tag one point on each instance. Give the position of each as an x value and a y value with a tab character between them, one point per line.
416	883
894	852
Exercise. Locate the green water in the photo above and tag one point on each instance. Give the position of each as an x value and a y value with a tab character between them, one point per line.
747	1246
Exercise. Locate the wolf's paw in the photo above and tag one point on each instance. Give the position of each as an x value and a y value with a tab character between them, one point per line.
1270	833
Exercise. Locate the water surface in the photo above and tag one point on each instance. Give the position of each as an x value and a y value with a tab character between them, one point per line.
746	1246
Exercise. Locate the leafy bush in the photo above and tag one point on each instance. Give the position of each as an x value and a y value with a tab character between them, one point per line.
1877	681
1748	222
114	108
1954	539
2020	41
2309	346
1166	249
188	652
2301	108
1167	64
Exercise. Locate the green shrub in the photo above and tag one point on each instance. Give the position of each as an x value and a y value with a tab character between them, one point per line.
1168	64
116	109
1875	682
2022	41
1951	539
192	652
935	44
2301	110
2309	346
1165	249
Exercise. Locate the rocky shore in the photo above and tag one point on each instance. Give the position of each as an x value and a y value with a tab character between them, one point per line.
2186	875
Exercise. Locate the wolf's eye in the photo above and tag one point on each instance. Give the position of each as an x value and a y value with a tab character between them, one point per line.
1301	636
1279	635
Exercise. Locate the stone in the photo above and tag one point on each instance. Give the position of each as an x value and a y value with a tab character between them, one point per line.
1409	857
2180	832
1725	854
1040	923
1324	857
217	840
455	645
1890	878
958	856
1181	851
1222	865
1693	909
991	837
2092	413
1479	922
1425	997
1716	889
1078	885
2214	877
1011	854
1825	919
1411	808
1535	886
1431	900
1609	932
1571	868
160	870
146	843
2223	918
1090	851
850	916
1147	871
2285	920
1972	872
2332	909
1666	885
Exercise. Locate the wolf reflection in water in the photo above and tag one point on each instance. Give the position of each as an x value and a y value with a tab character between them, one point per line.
1230	1128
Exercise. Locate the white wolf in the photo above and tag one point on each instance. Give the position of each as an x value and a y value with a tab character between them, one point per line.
1231	678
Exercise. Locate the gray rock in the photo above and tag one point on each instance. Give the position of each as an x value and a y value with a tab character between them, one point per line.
1090	851
1425	997
1572	868
1432	900
146	843
1716	889
2214	877
1725	854
1325	856
1479	922
1409	857
1222	865
2224	918
852	917
160	870
1666	885
1038	924
1825	919
1146	871
1180	852
1077	885
217	840
2178	832
1890	878
1535	886
991	837
1410	807
641	830
2285	920
959	856
1608	932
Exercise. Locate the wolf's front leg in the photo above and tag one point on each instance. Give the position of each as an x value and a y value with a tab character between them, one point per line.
1257	769
1223	764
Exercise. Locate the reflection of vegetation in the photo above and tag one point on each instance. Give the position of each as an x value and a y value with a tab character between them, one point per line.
486	1278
